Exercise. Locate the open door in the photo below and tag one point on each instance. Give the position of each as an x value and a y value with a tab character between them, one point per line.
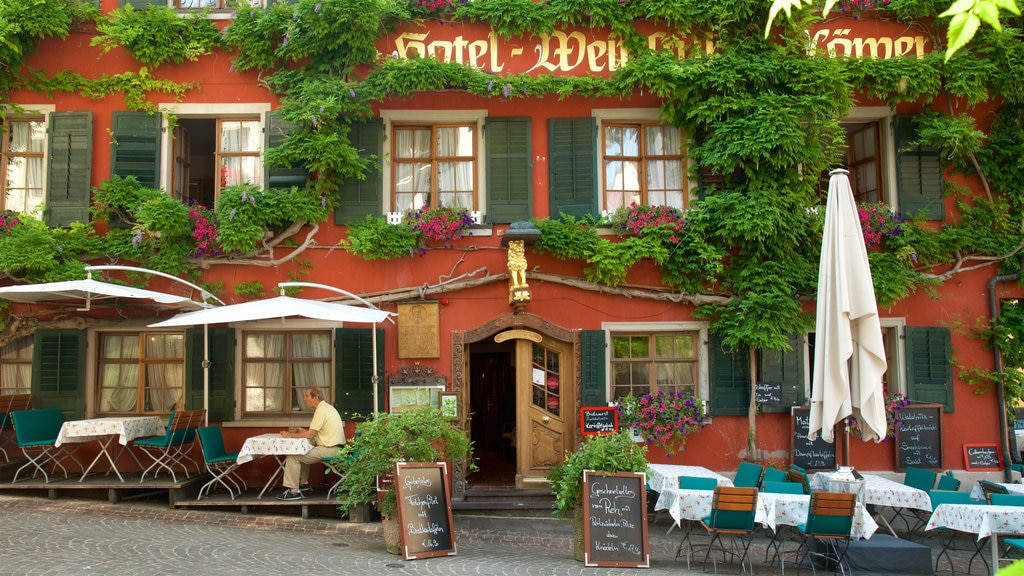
545	402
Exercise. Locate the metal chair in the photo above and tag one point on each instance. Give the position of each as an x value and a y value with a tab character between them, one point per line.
748	475
798	474
829	523
988	488
171	450
773	487
773	475
921	479
732	514
947	536
219	462
36	432
8	404
691	483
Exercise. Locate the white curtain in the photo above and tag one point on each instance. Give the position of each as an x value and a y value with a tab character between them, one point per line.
165	382
238	136
119	381
306	374
412	184
263	376
455	179
25	173
16	366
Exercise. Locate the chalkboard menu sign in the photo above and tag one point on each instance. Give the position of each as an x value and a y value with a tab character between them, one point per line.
810	454
599	420
424	510
983	457
768	393
615	519
919	436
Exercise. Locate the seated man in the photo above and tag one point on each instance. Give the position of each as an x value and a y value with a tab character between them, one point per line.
326	431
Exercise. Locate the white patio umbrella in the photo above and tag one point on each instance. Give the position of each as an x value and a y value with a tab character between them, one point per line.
849	357
279	307
89	291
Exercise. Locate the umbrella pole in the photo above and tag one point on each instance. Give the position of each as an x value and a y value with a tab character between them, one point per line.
206	374
846	446
376	378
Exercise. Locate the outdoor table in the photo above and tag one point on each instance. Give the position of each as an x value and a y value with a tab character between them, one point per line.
980	519
272	444
883	492
667	475
1013	488
773	509
104	430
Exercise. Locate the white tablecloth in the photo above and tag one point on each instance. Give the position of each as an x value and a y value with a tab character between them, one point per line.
659	475
980	519
884	492
271	444
126	428
772	509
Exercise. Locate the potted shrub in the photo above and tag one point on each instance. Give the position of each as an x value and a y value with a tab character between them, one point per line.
602	453
416	436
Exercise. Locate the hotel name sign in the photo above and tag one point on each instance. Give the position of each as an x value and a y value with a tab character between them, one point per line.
599	52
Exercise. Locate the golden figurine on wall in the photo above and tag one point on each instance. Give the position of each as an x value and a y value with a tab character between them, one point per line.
518	289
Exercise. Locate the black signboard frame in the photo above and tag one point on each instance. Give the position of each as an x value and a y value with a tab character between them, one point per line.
977	457
595	419
810	455
424	509
615	519
917	443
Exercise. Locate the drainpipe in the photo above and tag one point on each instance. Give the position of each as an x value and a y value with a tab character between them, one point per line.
993	306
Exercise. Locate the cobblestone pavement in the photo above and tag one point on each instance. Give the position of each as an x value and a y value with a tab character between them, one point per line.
82	537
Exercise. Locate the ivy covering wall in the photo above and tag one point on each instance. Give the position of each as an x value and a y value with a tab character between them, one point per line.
762	117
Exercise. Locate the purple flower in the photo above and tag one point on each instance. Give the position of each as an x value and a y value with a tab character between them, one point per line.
314	121
321	109
507	91
252	200
323	201
490	85
137	237
351	92
231	216
243	196
317	7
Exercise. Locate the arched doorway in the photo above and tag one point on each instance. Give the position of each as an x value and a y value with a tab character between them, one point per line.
518	374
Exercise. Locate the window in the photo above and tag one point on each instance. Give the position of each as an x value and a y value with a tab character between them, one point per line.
434	165
277	367
863	158
646	363
141	373
214	4
23	147
211	153
16	366
643	164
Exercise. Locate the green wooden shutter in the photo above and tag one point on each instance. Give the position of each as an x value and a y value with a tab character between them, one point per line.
786	367
509	170
277	129
353	371
929	371
69	170
135	146
222	372
730	378
357	198
58	371
593	368
919	173
572	151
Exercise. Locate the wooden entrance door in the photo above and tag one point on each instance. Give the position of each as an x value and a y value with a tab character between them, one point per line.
545	404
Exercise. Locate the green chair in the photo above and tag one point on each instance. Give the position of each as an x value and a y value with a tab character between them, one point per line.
773	487
36	433
732	514
785	487
948	482
997	499
172	449
748	475
829	523
773	475
691	483
220	463
921	479
798	474
988	488
946	535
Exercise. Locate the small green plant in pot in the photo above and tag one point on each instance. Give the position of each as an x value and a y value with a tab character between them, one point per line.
416	436
603	453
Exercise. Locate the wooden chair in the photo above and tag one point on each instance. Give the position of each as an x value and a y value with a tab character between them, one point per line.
11	403
732	514
829	523
798	474
988	488
219	462
171	450
36	432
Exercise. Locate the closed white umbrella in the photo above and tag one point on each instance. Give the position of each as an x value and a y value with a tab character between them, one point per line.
849	356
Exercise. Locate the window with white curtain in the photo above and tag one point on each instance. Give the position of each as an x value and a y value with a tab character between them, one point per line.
277	367
22	150
16	366
660	361
434	165
643	165
239	146
141	373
